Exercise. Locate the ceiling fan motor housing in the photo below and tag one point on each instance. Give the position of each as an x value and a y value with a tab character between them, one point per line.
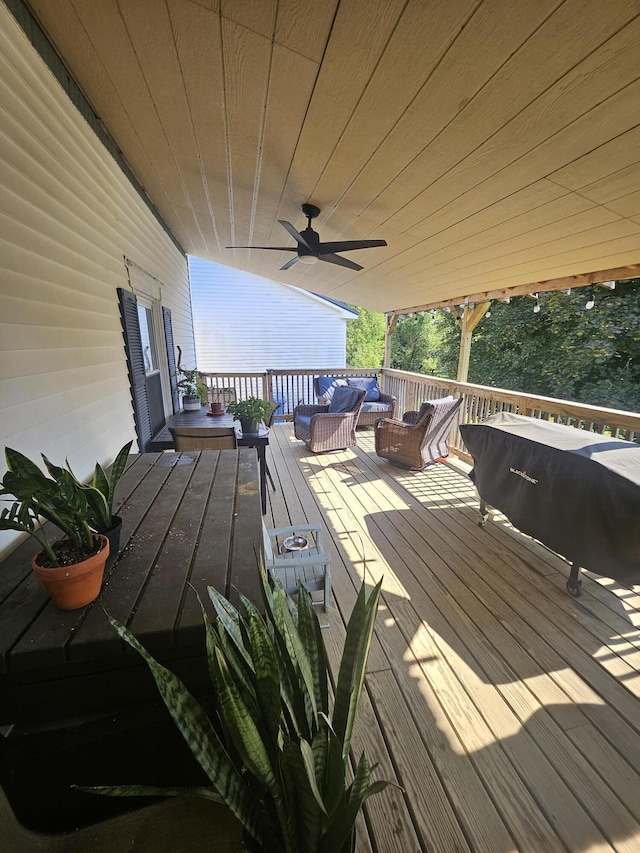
313	239
310	211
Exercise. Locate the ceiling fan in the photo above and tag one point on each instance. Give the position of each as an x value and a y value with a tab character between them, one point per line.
310	249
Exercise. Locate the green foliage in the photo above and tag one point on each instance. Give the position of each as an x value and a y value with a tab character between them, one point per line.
365	339
191	384
280	760
590	356
251	409
417	344
57	499
77	509
102	489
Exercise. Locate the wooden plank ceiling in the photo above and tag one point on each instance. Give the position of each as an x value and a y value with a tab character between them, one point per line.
492	143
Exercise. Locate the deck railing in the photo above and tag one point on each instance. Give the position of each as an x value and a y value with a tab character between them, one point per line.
291	387
481	401
288	388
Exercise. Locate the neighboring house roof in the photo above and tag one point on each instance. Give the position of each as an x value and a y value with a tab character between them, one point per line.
344	305
352	313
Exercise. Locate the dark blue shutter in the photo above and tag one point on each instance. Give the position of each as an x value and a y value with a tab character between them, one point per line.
135	365
171	358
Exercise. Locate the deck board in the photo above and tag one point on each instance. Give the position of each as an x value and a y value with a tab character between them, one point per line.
506	710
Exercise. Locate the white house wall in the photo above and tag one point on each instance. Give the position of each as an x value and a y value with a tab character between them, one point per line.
69	218
245	322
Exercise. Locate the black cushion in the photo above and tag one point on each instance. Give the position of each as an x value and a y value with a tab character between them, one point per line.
343	400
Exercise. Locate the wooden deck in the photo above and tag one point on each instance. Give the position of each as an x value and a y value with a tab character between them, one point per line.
506	710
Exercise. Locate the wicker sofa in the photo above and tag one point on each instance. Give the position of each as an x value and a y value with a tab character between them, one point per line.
376	404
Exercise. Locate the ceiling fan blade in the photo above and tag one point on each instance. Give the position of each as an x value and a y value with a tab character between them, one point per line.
290	263
350	245
341	262
271	248
297	236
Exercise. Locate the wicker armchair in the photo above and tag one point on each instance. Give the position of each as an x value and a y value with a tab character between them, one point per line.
416	445
330	427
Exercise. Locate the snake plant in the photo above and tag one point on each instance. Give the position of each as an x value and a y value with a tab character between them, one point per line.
276	753
78	510
101	490
57	499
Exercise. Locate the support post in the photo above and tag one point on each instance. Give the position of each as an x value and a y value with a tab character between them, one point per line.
467	322
390	326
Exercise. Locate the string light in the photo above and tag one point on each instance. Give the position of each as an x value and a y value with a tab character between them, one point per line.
536	307
590	301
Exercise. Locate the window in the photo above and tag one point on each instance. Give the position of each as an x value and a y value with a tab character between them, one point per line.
148	339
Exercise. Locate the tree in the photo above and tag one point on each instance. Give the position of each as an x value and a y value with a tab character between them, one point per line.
417	342
365	339
564	350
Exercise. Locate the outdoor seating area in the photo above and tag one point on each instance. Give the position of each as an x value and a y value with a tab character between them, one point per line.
469	175
505	711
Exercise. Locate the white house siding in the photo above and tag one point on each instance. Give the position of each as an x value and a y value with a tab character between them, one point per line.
69	218
244	322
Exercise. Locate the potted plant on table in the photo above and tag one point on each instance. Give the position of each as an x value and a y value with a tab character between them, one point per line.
71	568
250	412
273	750
194	391
220	397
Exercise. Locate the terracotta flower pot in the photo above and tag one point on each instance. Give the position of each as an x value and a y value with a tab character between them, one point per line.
216	408
71	587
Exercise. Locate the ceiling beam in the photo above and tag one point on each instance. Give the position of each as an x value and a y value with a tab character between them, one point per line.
566	283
